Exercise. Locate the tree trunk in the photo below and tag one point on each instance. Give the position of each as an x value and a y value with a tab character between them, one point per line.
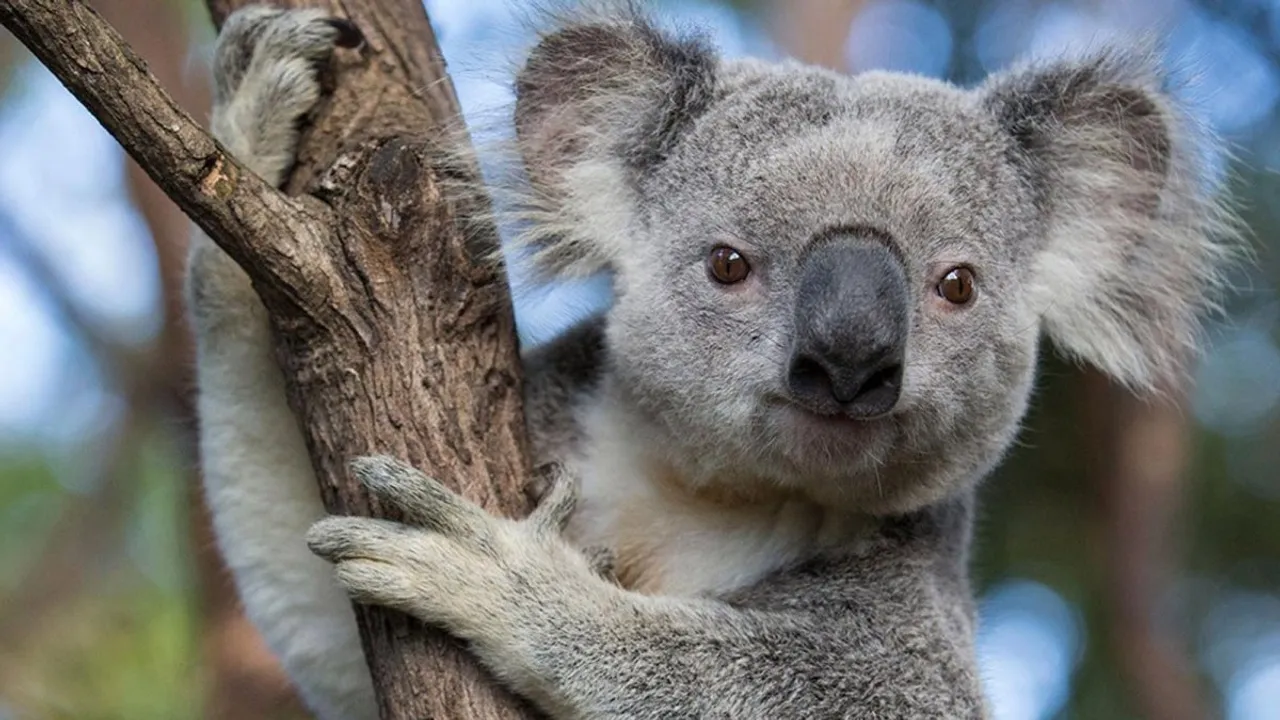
396	336
1138	454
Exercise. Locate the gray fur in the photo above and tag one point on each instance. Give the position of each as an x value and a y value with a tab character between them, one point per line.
1075	191
770	561
884	632
257	475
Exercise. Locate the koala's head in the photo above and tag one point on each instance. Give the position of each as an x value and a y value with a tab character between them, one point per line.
837	283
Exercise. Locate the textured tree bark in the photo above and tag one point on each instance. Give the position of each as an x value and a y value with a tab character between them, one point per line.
396	336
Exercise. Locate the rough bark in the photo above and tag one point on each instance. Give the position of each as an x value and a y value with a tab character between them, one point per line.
396	335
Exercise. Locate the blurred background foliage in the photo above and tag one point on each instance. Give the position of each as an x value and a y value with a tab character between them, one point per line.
1128	553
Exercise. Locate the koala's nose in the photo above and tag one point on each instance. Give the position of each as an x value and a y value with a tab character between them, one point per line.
856	391
851	329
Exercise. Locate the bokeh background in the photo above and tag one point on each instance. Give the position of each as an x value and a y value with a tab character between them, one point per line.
1128	553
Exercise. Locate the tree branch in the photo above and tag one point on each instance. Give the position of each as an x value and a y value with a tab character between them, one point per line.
394	335
251	221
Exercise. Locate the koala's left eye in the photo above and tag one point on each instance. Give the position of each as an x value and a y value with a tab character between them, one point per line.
956	286
727	266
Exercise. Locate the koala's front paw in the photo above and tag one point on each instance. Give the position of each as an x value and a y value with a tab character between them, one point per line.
258	38
266	75
483	578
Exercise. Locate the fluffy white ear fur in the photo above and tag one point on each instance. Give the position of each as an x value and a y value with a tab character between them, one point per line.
1136	239
597	104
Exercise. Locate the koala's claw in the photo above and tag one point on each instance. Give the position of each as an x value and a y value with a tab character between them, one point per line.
559	502
365	553
258	41
349	36
603	561
423	500
370	582
431	505
455	564
340	539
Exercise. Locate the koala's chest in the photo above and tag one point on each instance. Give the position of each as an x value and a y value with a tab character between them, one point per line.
667	540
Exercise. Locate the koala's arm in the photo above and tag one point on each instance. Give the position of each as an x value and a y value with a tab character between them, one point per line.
257	473
885	633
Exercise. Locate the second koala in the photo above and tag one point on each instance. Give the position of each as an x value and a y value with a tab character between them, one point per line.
830	292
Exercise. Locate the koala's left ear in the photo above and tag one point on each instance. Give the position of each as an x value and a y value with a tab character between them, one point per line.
1135	237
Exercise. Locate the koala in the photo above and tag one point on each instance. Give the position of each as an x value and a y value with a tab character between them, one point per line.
830	292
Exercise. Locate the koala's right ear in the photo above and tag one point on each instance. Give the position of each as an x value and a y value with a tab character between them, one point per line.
1138	236
597	106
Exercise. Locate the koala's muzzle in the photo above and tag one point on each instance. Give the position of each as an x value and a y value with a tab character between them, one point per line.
851	327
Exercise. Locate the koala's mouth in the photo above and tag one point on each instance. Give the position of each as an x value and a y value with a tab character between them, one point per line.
838	420
804	417
835	445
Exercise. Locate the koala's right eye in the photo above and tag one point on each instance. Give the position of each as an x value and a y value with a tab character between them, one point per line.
727	266
957	286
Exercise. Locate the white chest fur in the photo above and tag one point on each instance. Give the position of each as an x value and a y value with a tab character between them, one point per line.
671	540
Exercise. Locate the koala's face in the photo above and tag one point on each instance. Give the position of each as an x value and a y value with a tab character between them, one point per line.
838	284
822	280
